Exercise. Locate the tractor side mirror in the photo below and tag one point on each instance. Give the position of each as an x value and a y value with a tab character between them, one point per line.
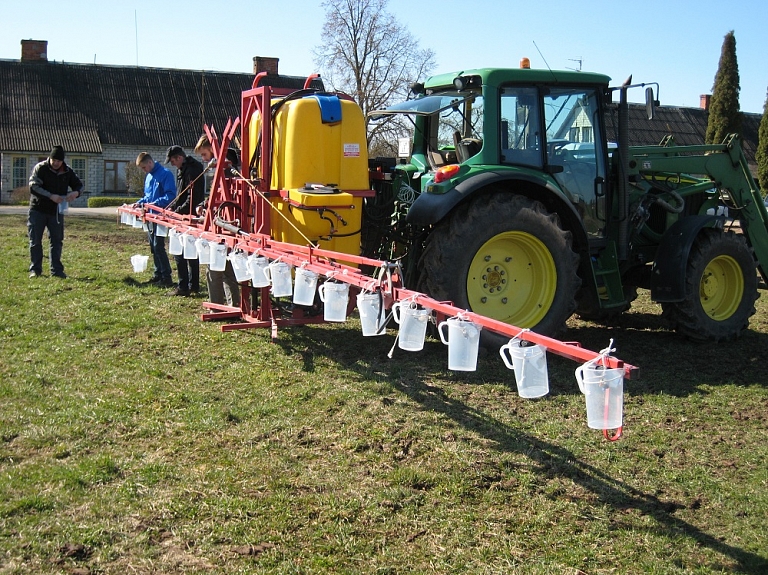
650	103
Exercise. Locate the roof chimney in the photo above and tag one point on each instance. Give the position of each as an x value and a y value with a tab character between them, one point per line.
265	64
704	101
34	50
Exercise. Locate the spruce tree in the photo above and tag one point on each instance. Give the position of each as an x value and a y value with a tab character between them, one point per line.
761	156
724	115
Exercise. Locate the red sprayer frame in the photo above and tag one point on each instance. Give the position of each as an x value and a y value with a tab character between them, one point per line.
239	214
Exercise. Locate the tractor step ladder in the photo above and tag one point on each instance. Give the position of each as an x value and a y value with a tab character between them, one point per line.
605	268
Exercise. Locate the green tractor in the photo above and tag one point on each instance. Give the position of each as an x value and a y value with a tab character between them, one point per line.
513	203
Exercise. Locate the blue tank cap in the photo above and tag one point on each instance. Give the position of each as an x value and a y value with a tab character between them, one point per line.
330	107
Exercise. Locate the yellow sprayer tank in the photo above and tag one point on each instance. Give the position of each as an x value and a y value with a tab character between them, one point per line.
320	169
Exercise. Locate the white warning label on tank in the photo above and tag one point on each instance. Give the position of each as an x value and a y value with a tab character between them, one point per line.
351	150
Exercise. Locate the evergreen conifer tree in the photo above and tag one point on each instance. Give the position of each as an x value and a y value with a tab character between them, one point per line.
761	156
724	115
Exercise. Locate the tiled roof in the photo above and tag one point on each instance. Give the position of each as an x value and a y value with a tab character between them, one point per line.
687	125
85	106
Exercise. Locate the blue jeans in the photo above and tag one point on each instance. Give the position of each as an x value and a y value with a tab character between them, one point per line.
37	222
159	255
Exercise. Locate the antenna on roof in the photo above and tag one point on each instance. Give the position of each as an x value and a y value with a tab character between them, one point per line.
579	60
136	27
545	60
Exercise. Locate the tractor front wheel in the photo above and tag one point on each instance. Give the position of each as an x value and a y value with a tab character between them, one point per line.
720	290
505	257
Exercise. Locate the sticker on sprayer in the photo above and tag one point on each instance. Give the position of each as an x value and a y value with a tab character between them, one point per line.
351	150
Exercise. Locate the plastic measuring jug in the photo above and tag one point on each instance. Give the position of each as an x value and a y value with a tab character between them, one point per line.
413	325
304	286
257	265
240	266
530	365
190	247
218	261
175	245
603	389
139	263
335	297
279	274
373	317
463	342
203	250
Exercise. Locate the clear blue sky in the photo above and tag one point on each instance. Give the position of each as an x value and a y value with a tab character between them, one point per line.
673	42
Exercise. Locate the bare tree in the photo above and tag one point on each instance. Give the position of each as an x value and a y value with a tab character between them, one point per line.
369	55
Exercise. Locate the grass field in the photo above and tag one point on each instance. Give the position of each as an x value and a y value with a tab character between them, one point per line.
135	438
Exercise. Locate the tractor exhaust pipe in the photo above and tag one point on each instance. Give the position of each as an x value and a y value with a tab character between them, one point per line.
623	235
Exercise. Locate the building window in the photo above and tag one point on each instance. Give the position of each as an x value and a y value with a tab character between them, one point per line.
114	176
20	173
79	166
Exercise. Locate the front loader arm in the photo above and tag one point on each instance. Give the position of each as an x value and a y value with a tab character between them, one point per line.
725	165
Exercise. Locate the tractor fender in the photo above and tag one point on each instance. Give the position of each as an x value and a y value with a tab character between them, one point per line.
429	209
669	267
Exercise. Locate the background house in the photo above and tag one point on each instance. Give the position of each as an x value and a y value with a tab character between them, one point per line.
687	125
104	116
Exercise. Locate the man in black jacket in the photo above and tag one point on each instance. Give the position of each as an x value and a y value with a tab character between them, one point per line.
49	185
190	191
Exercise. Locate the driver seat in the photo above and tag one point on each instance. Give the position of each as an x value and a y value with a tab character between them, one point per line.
465	147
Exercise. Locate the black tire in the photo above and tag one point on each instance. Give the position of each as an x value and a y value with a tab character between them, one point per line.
504	256
720	288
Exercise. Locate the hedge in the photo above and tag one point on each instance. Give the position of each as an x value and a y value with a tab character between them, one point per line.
108	201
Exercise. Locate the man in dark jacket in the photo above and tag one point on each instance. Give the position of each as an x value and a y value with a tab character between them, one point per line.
49	185
190	191
222	286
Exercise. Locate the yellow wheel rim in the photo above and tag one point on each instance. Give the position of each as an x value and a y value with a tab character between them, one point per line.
721	288
512	278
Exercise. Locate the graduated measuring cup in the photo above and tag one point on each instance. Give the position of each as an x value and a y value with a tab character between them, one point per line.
463	342
279	274
413	325
257	265
603	389
203	250
175	247
240	266
190	247
530	365
304	286
373	317
335	297
218	261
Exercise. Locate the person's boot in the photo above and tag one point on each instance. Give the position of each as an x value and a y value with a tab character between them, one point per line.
177	291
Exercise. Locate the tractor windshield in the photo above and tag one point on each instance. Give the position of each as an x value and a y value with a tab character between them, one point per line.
426	105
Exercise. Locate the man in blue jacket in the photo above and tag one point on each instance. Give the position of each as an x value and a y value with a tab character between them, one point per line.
49	187
159	191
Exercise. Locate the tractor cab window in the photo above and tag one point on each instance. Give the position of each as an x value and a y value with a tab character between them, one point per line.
456	130
575	151
448	125
520	130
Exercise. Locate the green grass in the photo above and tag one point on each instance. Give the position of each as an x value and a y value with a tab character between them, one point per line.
135	438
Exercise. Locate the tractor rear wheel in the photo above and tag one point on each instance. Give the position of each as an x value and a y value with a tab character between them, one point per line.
505	257
720	290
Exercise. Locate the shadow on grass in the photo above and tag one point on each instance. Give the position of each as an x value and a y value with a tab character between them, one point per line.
678	373
553	460
674	365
